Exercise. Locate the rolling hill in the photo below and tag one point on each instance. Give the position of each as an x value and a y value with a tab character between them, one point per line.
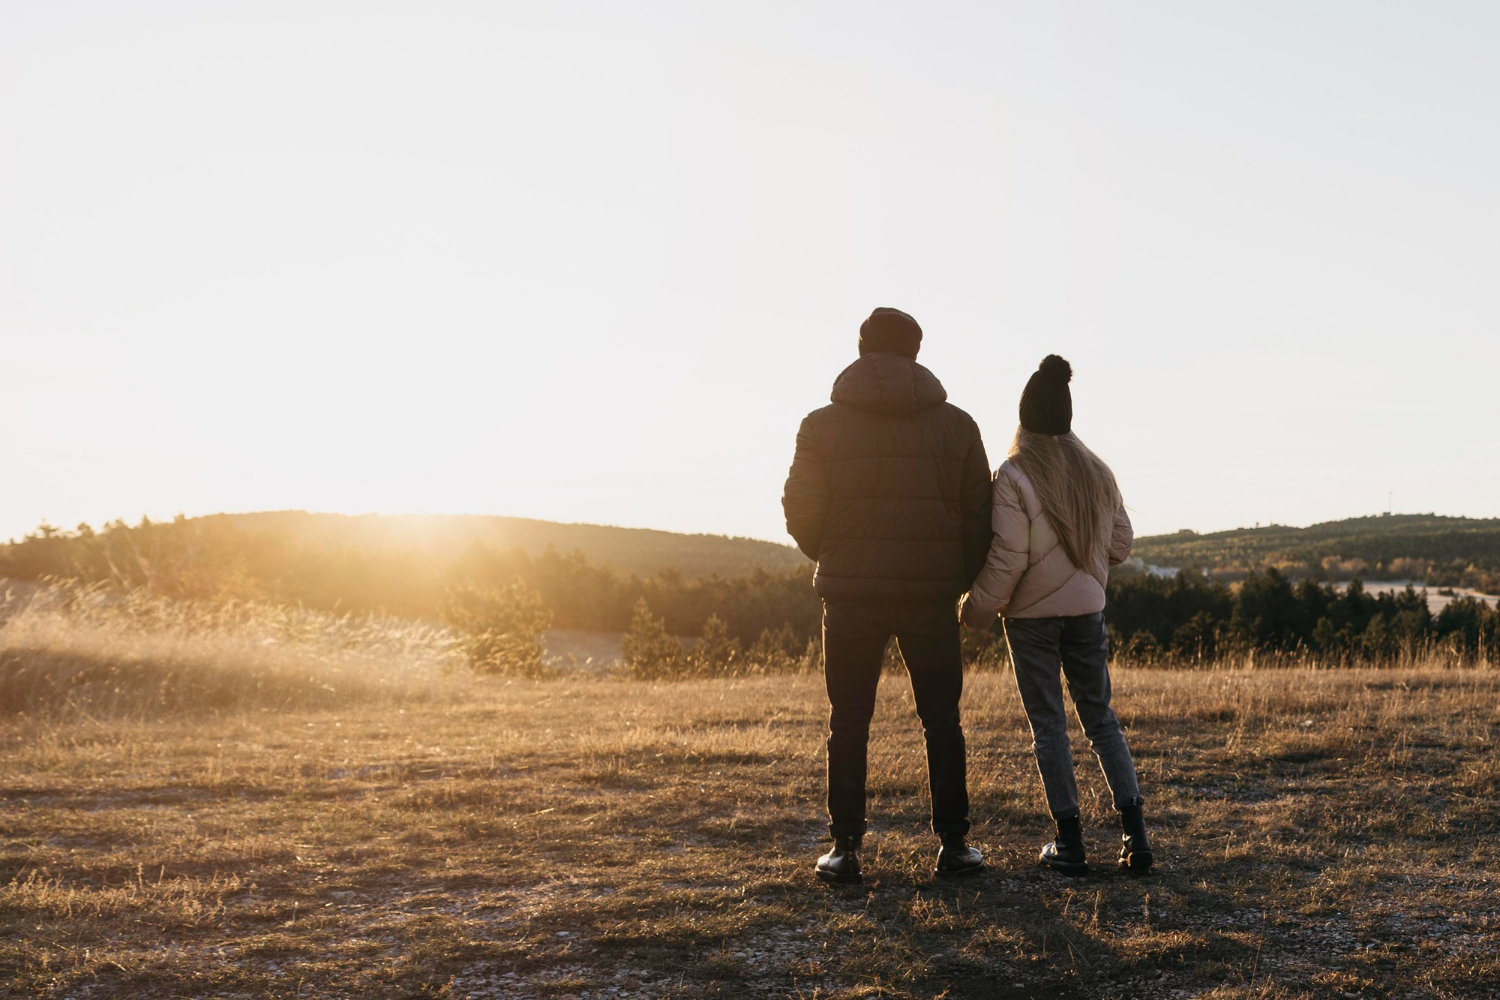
1442	550
589	576
643	551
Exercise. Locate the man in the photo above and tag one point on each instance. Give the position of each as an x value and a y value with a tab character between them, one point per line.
890	493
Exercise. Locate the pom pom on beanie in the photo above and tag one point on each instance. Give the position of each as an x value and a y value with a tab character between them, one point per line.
1056	367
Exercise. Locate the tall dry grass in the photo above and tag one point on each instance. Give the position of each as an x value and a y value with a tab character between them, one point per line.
96	652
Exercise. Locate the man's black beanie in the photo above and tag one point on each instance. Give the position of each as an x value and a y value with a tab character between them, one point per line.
1047	402
890	331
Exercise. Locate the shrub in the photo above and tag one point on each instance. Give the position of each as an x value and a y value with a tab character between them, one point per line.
502	628
650	652
653	653
783	651
1197	640
716	655
985	650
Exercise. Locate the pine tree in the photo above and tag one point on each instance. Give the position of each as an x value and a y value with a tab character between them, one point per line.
650	653
716	655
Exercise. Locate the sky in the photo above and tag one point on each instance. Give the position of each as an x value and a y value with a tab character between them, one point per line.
594	261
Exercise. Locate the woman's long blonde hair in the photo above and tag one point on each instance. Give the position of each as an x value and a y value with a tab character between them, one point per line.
1076	489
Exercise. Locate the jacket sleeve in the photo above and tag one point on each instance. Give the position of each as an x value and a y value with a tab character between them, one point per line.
1122	538
804	499
1008	556
975	506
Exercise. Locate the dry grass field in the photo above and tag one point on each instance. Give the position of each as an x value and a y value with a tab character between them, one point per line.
224	806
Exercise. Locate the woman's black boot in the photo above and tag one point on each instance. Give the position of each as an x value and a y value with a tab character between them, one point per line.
1135	847
1065	854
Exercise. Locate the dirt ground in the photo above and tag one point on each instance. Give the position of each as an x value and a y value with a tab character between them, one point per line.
1322	834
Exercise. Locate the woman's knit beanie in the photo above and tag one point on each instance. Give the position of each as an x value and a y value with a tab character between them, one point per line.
1047	403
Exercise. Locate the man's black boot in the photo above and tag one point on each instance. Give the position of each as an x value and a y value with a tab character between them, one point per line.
1135	847
956	858
841	864
1065	854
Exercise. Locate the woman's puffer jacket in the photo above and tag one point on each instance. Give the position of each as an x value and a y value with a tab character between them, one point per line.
1028	573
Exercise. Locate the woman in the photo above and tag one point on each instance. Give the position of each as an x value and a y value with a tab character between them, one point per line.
1059	526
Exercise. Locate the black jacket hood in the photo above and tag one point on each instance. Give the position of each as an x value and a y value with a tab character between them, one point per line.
888	384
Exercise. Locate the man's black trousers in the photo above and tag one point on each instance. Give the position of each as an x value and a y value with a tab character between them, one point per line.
854	640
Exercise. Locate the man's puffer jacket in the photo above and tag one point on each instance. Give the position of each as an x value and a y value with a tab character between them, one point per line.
890	488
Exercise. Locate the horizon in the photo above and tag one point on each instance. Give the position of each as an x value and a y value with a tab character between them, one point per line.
588	264
13	539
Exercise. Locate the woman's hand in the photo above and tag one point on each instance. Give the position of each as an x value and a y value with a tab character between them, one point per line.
972	619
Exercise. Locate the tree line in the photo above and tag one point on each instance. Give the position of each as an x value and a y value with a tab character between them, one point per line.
503	599
1191	619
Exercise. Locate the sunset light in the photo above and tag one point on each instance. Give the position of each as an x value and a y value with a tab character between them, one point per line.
587	262
660	500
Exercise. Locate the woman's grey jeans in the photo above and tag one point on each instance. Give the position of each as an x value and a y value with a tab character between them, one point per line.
1079	646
